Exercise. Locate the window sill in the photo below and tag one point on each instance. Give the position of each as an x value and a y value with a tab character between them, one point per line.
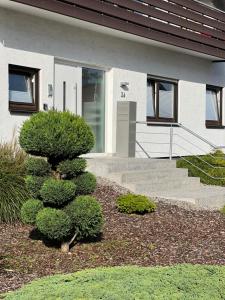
161	121
214	126
22	108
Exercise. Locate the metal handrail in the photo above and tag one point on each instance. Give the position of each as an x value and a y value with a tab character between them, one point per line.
186	129
173	125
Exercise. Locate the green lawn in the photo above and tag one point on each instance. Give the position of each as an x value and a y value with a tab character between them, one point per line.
127	283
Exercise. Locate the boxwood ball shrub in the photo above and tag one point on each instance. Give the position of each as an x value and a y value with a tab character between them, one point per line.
34	184
131	203
58	175
37	166
57	192
72	168
30	210
86	183
53	223
86	216
56	135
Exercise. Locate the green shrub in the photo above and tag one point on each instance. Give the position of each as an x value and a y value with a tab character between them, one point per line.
56	135
54	224
223	210
37	167
13	192
86	216
72	168
30	210
86	183
135	204
212	164
57	192
34	184
184	282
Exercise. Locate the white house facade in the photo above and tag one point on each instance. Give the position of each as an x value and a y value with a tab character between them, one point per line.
64	55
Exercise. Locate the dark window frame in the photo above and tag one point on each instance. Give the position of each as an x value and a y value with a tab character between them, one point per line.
213	123
157	118
24	107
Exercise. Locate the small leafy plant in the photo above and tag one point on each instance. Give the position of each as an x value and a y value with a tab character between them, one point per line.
138	204
223	210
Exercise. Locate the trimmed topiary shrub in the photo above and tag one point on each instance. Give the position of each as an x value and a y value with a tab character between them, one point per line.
135	204
34	184
30	209
37	166
86	216
57	192
86	183
60	138
56	135
72	168
53	223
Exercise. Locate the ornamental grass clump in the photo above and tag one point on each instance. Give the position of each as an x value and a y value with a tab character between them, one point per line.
13	192
57	176
138	204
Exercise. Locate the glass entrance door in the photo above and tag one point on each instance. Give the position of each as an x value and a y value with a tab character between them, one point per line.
93	104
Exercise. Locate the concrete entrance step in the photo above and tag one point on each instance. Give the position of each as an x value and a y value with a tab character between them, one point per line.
203	197
159	175
168	184
159	179
105	166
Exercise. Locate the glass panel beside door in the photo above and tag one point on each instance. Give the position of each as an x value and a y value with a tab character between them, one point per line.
93	104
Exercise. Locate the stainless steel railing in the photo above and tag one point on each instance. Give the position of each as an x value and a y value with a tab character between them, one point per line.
171	145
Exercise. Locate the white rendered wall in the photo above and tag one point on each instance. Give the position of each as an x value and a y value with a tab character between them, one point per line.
125	60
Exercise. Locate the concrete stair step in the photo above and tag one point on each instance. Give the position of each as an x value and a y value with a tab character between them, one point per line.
168	185
159	179
154	175
203	197
105	166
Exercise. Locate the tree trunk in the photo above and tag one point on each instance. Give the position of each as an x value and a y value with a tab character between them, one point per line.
65	247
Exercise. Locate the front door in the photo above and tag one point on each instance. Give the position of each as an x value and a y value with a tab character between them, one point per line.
68	88
82	91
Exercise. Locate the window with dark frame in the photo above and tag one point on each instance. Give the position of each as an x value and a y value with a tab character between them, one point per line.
213	106
162	100
23	89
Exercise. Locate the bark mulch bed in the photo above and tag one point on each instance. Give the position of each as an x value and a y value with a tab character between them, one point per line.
169	236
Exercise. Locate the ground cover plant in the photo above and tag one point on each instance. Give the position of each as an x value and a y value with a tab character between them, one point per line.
212	164
13	192
57	179
138	204
177	282
171	235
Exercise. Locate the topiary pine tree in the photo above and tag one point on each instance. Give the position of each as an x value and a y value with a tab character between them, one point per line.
58	177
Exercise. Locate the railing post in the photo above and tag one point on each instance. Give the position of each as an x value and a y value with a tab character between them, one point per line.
171	143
